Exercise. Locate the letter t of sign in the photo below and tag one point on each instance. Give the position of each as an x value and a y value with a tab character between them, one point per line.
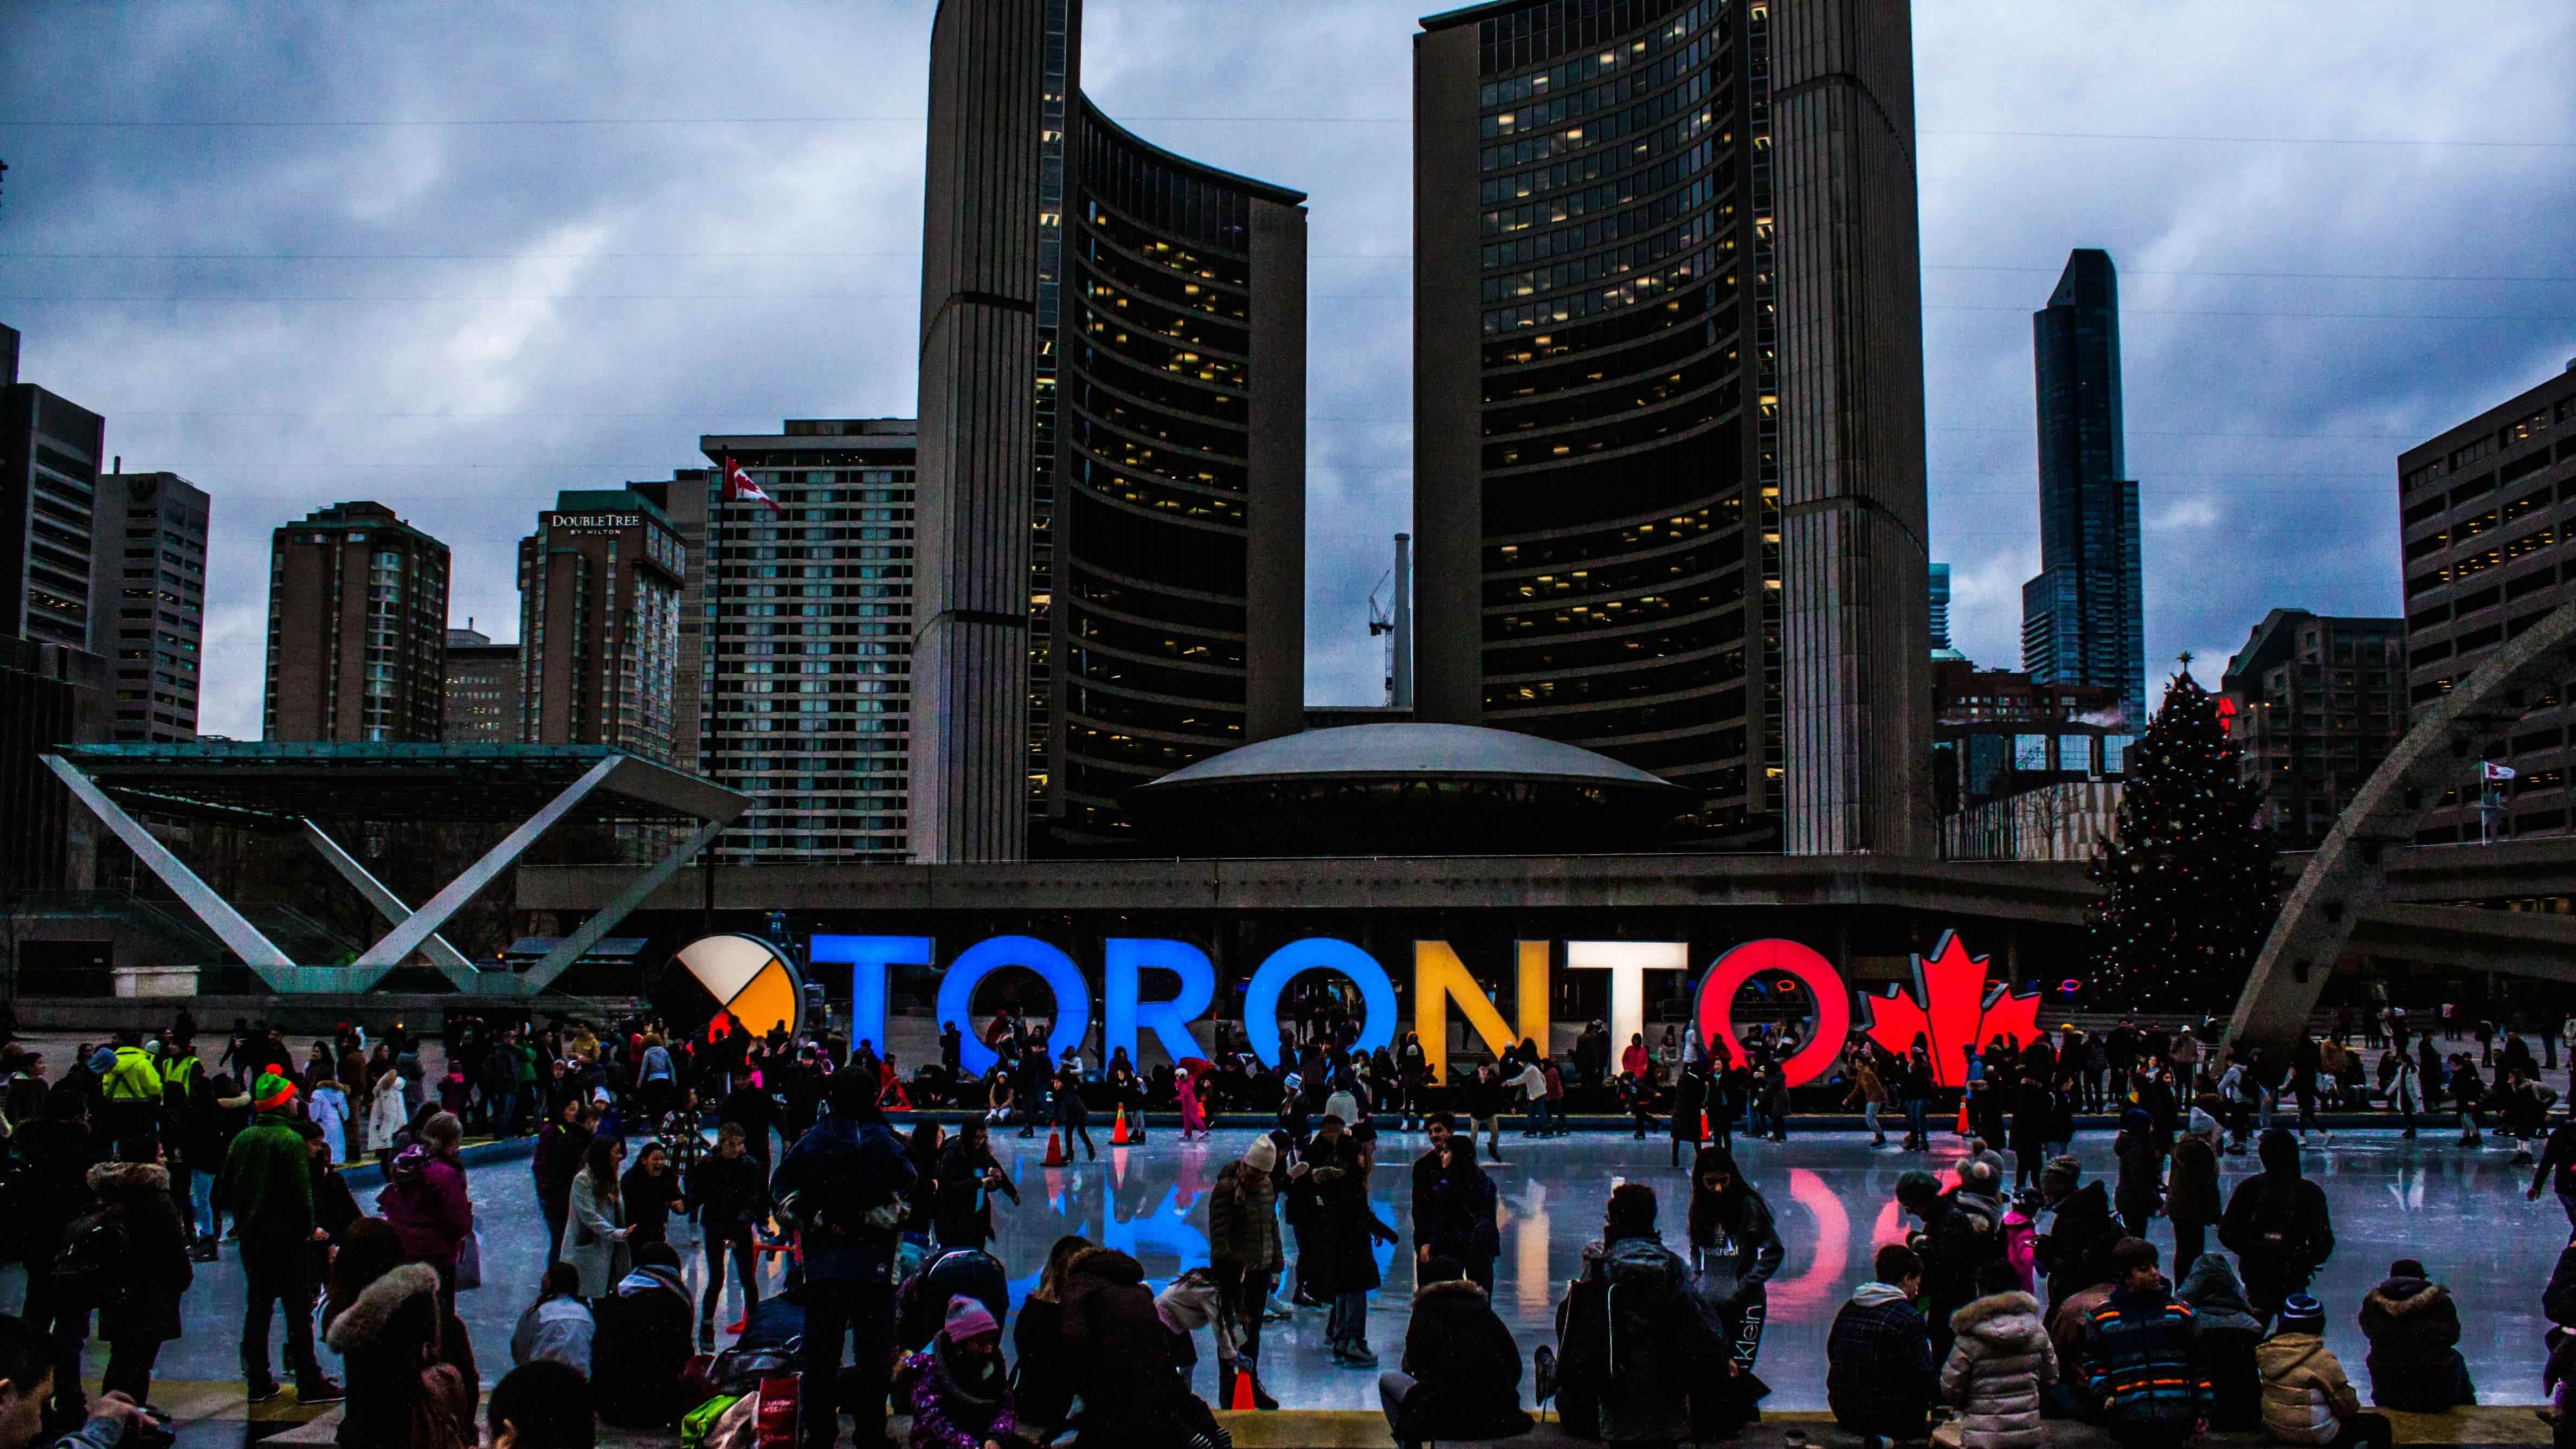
1627	962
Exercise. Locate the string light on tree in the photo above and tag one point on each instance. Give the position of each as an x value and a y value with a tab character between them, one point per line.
2187	882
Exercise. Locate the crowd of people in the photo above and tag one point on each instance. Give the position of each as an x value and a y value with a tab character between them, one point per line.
2049	1298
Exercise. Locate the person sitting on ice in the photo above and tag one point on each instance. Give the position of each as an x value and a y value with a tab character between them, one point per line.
2413	1327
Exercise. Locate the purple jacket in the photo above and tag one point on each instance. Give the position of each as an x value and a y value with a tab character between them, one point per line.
424	1198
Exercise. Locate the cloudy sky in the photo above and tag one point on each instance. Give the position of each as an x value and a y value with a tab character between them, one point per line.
456	256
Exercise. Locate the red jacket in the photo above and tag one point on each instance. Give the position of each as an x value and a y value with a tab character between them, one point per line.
429	1208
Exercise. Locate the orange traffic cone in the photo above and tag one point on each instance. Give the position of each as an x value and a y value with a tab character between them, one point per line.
1118	1134
1242	1388
1055	1152
1963	1116
1703	1126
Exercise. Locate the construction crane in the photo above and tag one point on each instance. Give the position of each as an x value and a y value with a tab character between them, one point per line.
1395	620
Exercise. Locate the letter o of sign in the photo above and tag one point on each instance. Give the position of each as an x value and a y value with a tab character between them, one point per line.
1716	1014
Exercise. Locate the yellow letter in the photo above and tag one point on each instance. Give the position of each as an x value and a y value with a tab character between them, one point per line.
1439	977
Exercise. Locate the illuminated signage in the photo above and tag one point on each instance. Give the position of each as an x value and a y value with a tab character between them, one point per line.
592	522
1951	1006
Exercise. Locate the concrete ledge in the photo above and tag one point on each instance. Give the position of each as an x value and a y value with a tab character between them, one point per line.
1363	1429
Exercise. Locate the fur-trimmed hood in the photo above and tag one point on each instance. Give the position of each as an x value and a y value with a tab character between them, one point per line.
2005	1320
108	1177
357	1325
1449	1294
2396	1297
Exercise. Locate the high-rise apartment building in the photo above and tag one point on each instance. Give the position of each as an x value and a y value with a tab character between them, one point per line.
800	686
1113	368
599	624
2083	619
2318	703
2488	516
357	629
1939	597
483	685
148	601
50	452
50	695
1668	401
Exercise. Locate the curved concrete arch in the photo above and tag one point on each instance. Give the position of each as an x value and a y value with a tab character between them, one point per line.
2348	875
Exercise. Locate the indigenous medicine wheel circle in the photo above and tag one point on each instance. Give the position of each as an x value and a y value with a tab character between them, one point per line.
715	981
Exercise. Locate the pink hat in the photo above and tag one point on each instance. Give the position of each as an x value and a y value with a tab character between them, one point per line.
968	1319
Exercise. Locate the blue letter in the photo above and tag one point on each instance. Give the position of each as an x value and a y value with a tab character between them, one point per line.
869	956
1072	995
1168	1020
1317	953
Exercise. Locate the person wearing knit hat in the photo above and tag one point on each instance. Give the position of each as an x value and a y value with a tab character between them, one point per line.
2075	1249
1245	1254
2306	1397
268	1179
272	1093
956	1390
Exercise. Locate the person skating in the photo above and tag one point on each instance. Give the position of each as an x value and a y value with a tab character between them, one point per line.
1455	1211
269	1183
729	1196
2278	1226
1244	1251
1868	1093
1351	1229
1690	1106
969	1176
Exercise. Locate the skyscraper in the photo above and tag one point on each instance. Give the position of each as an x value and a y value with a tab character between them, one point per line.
2083	619
599	624
50	449
1112	530
801	689
1668	401
482	689
148	601
357	629
1940	600
2487	515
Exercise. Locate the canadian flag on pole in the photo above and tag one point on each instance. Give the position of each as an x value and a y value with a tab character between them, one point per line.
738	488
2490	770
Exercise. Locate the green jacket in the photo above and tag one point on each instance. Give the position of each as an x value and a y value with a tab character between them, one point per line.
267	1182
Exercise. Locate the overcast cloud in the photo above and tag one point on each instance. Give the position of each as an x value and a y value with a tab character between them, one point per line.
464	312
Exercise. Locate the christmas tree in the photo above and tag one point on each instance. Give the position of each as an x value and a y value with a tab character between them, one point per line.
2188	888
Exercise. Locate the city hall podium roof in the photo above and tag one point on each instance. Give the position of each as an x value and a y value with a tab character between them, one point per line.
279	784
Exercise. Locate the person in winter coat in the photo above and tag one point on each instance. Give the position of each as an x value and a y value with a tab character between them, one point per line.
387	1111
2306	1397
328	1106
1690	1110
560	1150
1351	1232
1042	1382
145	1314
1735	1248
2075	1251
1455	1211
956	1390
425	1198
382	1318
1118	1355
2139	1360
558	1326
2277	1225
2557	1169
268	1179
651	1192
1462	1370
847	1178
2000	1363
729	1196
2191	1188
59	1152
968	1178
595	1238
1244	1251
1953	1241
1633	1345
2413	1327
1879	1375
641	1341
2141	1193
2227	1332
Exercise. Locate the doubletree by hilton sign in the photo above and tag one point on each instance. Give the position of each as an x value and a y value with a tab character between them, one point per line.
1951	1007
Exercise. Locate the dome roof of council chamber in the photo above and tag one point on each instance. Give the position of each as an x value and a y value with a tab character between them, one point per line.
1408	789
1413	752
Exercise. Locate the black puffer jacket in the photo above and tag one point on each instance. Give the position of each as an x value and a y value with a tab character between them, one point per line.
2277	1224
1466	1367
157	1252
2413	1327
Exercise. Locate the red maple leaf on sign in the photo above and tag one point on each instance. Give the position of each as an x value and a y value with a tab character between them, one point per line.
1952	1008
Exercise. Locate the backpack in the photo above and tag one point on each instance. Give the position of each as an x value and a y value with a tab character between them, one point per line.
850	1198
96	1262
2278	1228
